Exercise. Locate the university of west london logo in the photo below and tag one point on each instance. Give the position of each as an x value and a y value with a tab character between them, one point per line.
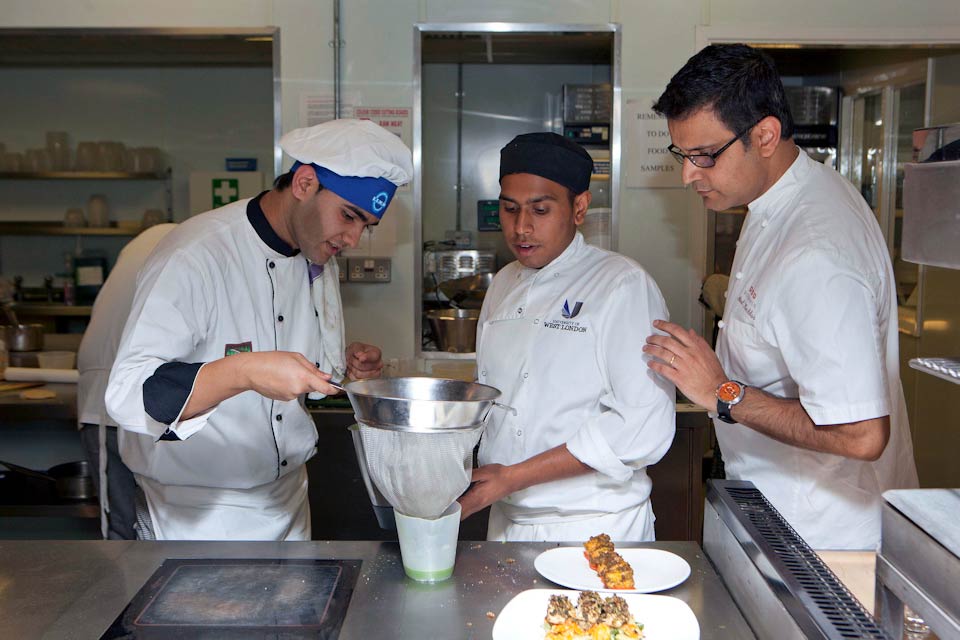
568	323
567	313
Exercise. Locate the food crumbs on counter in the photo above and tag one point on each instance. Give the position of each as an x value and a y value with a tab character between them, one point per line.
476	546
491	615
510	560
469	624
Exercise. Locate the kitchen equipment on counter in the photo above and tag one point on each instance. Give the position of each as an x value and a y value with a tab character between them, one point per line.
292	598
440	266
418	438
421	404
428	546
919	561
467	292
72	480
455	329
781	586
382	508
23	337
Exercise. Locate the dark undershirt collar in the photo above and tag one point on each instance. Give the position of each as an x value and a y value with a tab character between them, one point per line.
261	225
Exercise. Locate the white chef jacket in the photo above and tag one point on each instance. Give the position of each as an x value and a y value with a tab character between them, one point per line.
238	472
102	337
564	345
99	347
811	314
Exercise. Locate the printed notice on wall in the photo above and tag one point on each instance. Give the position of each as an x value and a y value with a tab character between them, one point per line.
396	120
649	164
315	109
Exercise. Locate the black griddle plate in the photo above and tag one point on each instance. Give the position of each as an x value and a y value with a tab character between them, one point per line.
240	598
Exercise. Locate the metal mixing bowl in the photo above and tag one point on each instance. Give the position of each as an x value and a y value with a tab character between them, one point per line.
421	404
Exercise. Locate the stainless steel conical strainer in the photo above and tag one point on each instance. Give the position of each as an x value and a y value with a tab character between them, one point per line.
420	474
418	437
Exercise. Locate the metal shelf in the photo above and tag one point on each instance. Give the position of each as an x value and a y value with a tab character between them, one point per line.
51	309
64	510
81	175
945	368
57	229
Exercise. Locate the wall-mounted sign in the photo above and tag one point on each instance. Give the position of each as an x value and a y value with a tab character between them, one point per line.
394	119
318	108
649	164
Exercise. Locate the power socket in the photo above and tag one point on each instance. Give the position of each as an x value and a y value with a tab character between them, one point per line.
375	270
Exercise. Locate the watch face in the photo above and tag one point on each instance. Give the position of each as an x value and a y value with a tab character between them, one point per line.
728	391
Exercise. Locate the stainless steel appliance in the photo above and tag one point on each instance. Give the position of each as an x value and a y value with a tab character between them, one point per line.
780	584
931	238
919	560
440	266
455	329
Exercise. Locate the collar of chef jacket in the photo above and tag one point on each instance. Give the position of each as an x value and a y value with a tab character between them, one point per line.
769	203
258	219
565	258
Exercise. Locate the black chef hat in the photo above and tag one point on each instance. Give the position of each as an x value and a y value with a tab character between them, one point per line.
549	156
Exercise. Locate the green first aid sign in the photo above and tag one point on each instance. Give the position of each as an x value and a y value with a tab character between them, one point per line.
225	191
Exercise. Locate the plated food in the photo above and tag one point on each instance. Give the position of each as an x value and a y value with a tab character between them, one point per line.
653	569
613	570
663	617
593	618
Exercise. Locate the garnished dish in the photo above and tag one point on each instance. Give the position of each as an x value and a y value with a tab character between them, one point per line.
593	618
614	571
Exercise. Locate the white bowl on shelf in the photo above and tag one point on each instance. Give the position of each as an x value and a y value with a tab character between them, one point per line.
56	359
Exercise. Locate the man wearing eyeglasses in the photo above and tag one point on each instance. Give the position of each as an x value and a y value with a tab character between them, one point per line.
805	380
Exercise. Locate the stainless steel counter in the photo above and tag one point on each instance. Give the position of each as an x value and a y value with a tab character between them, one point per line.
65	589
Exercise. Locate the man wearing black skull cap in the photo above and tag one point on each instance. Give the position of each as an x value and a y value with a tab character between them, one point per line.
561	333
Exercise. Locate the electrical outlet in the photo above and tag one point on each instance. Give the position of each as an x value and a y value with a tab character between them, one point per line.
375	270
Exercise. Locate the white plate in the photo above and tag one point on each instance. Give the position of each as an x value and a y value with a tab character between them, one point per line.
653	569
662	617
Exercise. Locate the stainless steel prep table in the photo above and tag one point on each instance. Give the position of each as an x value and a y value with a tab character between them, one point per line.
75	589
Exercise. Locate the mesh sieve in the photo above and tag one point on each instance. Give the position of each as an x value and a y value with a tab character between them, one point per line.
420	474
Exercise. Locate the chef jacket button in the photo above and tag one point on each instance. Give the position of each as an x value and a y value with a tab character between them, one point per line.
279	318
519	310
272	264
739	274
316	313
279	417
519	432
556	275
316	364
484	372
536	321
283	463
764	224
721	324
526	375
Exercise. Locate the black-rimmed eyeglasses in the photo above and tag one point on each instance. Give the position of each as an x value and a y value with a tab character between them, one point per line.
706	160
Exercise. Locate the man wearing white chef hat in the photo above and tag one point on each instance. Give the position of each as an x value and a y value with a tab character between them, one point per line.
805	380
571	462
237	315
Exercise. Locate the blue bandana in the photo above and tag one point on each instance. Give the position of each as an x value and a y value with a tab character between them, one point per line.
373	195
